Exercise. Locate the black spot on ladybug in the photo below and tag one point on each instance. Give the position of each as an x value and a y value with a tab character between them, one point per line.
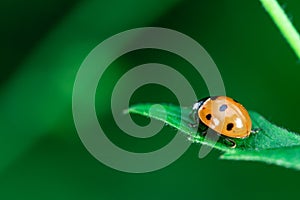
208	116
223	107
229	126
213	97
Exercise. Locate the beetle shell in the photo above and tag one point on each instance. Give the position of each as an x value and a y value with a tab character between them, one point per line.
225	116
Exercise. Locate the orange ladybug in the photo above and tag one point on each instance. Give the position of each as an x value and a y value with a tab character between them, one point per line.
223	115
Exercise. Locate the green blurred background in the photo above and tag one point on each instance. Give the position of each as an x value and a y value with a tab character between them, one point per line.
42	46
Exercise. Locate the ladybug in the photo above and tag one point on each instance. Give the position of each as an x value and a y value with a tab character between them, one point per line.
223	115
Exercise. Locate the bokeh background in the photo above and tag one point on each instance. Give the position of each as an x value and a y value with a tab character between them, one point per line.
42	46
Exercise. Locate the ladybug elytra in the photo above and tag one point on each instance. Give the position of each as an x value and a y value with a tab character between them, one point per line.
223	115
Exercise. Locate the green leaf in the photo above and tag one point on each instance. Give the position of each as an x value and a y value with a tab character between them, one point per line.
271	144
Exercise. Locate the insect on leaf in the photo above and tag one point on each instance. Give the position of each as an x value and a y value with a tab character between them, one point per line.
271	144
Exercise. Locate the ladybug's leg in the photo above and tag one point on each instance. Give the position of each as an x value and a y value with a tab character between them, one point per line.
230	142
193	125
194	116
202	129
202	132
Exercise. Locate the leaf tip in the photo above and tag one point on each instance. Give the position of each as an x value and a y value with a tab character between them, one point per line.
126	111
